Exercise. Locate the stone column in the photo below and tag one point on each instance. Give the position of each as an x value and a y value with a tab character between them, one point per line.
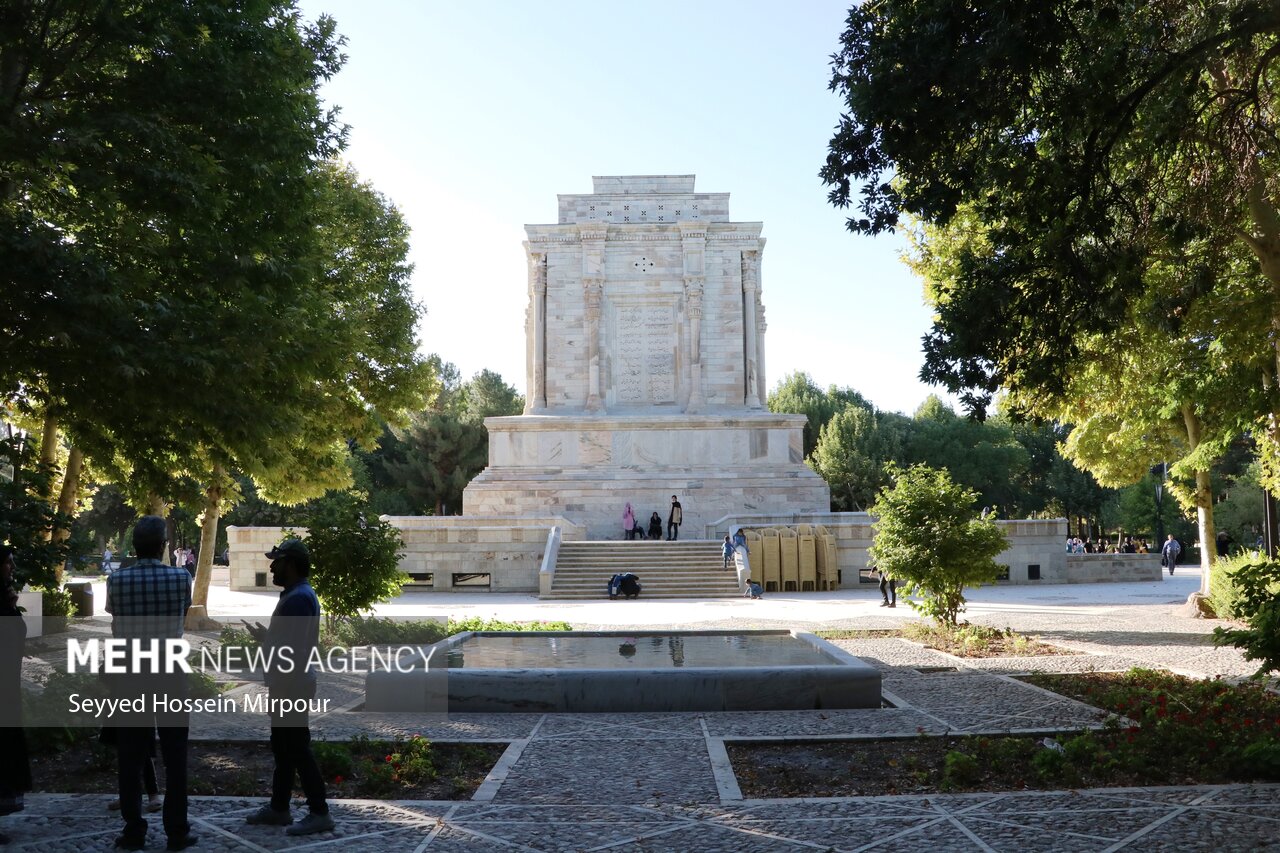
536	399
593	236
693	286
750	285
593	288
693	240
761	327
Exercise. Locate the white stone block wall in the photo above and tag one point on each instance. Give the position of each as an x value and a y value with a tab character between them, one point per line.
1115	568
1032	542
507	549
247	546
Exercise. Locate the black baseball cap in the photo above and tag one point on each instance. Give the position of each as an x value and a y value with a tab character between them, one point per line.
295	548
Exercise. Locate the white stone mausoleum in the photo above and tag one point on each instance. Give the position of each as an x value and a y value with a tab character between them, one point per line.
645	348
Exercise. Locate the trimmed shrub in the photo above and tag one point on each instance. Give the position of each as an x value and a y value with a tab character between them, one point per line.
1225	592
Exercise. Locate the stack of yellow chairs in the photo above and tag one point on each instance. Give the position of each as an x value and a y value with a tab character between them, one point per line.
771	560
805	542
827	557
790	548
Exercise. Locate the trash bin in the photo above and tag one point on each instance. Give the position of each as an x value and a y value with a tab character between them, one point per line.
81	598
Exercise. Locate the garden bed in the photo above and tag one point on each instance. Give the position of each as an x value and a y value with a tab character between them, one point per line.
413	769
1173	731
964	640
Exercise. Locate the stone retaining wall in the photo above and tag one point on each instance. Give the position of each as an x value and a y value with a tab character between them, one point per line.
1117	568
1035	552
508	550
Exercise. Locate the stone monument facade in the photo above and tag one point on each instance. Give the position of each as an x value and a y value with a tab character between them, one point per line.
645	346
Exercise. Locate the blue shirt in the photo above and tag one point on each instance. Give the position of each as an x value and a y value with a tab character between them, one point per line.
148	599
295	626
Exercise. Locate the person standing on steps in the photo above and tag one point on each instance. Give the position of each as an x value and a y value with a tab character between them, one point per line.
674	520
628	523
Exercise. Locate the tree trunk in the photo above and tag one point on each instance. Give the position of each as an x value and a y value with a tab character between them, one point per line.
67	500
1204	504
48	462
49	449
208	537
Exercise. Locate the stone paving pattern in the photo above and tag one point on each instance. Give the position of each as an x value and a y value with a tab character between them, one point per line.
661	782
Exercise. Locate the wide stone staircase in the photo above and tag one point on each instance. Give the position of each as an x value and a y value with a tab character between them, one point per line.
693	569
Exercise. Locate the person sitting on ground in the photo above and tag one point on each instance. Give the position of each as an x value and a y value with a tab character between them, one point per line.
754	590
625	584
630	585
655	526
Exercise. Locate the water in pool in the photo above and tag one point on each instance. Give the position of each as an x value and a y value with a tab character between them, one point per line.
638	651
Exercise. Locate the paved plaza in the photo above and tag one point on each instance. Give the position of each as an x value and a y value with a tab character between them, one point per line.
663	782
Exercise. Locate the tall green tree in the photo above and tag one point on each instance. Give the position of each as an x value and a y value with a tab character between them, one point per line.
985	456
1090	139
151	237
240	288
797	394
446	445
853	454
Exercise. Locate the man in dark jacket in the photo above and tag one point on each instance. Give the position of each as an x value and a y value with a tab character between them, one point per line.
674	520
294	633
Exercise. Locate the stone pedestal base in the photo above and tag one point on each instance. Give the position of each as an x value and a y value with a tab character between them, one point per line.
587	468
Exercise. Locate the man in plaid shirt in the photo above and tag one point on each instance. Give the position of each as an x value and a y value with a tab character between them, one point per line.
149	601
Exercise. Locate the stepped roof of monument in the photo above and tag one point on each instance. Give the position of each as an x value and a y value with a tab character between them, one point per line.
642	200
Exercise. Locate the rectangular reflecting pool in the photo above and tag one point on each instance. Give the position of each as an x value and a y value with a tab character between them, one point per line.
618	671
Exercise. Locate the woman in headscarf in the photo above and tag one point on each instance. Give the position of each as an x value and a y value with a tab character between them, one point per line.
628	522
15	769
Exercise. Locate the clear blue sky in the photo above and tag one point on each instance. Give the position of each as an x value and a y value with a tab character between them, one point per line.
472	116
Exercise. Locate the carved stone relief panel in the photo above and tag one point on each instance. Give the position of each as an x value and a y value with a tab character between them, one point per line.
642	348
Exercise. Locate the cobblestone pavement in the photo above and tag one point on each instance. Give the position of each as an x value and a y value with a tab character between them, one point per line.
1218	818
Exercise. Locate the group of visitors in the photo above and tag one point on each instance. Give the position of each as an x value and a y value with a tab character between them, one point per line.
148	601
1127	545
185	558
632	528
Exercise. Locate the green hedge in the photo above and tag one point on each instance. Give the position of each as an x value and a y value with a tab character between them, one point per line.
1224	593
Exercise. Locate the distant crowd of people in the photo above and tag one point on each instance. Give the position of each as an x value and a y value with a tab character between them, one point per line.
1127	545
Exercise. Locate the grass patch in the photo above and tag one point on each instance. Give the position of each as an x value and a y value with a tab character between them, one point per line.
965	640
374	631
978	641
